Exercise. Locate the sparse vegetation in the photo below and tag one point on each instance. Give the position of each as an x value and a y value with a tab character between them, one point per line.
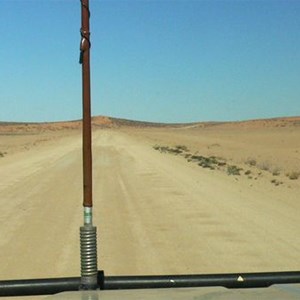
211	162
265	166
293	175
276	172
251	162
166	149
208	162
276	182
183	148
178	149
2	154
254	172
233	170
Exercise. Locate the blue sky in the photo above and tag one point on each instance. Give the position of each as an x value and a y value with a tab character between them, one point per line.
161	61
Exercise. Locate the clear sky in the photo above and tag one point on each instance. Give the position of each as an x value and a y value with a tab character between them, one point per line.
161	61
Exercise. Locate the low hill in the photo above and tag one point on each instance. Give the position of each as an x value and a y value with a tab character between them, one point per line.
110	122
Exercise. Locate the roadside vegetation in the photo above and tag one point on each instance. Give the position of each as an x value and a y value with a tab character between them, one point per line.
2	154
251	169
293	175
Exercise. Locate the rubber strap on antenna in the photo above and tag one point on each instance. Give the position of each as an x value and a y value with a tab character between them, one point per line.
85	36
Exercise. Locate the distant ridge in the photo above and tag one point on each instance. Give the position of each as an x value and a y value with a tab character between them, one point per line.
110	122
119	122
261	123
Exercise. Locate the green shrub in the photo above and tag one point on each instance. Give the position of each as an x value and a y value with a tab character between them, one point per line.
182	148
233	170
165	149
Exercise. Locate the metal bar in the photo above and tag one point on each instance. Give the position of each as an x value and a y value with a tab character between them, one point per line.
242	280
31	287
236	280
86	102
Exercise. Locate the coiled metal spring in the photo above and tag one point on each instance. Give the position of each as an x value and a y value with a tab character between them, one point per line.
88	251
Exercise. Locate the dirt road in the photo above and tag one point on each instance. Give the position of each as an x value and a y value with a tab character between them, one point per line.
155	213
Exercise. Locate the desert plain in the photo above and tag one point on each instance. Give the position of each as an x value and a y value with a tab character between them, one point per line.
168	199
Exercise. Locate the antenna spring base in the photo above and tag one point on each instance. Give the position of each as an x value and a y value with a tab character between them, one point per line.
88	257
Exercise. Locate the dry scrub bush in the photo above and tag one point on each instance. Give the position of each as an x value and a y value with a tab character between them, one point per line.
182	148
276	182
251	162
276	172
265	166
233	170
293	175
167	149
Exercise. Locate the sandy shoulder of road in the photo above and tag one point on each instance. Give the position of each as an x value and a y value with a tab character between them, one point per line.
268	154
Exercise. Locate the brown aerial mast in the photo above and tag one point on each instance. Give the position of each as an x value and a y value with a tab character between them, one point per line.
88	232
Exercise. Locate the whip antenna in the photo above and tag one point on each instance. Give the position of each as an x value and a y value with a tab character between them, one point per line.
88	232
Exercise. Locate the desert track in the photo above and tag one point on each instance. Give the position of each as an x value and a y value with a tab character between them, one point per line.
155	213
